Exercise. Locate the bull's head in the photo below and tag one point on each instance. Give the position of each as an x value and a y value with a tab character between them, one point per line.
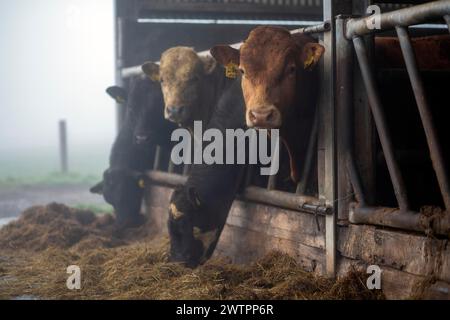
183	75
273	64
144	108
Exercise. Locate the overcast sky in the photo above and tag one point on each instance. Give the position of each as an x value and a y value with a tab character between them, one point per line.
56	60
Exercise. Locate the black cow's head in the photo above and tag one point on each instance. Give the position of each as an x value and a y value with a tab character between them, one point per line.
184	248
144	111
123	189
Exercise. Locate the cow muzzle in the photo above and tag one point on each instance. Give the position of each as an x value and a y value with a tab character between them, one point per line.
175	114
263	118
141	139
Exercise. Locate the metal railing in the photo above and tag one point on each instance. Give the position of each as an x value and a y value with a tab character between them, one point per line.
342	36
403	217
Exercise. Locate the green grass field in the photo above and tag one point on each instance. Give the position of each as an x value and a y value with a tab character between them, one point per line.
33	167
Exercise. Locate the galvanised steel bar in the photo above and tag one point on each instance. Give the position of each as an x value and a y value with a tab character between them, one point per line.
347	172
400	219
272	182
186	168
381	124
326	139
322	27
171	167
137	70
402	17
434	146
274	198
158	155
311	148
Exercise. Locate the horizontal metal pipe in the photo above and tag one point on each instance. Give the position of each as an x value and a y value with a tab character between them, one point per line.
400	219
137	71
318	28
282	199
275	198
167	179
381	124
434	145
402	17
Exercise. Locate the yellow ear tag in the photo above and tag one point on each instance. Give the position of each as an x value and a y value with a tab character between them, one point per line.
141	183
154	77
120	100
231	70
309	61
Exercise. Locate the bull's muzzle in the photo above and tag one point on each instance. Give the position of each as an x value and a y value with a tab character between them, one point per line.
263	118
141	139
175	113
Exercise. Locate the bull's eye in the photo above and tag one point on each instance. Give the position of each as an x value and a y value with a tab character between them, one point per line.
241	71
161	79
292	69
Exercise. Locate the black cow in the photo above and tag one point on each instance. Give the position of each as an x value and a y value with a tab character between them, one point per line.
199	209
144	127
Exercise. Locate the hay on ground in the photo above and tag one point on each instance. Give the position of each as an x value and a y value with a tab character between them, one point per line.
36	250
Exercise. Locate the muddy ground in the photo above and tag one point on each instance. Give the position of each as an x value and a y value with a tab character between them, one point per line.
15	199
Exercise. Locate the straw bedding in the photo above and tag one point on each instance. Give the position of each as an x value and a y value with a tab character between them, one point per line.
36	249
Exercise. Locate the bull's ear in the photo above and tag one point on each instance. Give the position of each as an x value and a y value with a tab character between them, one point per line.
98	188
151	69
225	54
311	54
117	93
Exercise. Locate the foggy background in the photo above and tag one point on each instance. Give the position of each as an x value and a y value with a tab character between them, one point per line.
56	60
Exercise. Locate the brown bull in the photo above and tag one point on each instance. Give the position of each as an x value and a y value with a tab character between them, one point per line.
278	83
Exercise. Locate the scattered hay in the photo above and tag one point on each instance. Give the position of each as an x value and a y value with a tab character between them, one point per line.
36	250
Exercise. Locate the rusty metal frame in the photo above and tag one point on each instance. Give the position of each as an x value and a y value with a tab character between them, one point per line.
402	218
332	137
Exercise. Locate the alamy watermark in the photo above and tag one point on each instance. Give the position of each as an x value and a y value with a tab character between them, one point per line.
374	22
374	280
74	280
234	146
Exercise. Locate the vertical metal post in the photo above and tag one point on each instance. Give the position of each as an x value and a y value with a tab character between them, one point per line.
272	182
312	143
364	139
248	175
434	146
346	167
63	146
171	167
344	86
326	143
157	162
381	124
119	41
447	20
